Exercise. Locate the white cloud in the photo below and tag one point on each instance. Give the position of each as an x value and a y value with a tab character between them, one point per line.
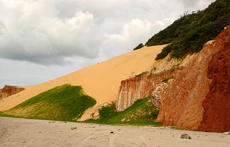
135	32
39	36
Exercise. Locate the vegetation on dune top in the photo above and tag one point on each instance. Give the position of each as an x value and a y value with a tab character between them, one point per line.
188	34
141	113
141	74
64	103
138	47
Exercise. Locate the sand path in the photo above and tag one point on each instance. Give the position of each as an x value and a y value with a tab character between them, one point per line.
35	133
101	81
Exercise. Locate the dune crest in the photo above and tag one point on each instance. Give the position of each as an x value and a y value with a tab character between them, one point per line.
101	81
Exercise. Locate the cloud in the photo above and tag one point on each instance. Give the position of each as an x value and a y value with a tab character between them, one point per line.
69	35
196	4
38	35
135	32
48	32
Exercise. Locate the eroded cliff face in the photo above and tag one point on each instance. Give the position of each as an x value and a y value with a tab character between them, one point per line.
199	97
141	87
216	117
9	90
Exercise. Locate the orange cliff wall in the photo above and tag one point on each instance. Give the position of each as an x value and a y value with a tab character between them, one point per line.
199	97
141	87
217	102
9	90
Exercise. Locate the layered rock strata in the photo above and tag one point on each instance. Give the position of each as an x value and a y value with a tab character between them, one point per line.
141	87
199	97
9	90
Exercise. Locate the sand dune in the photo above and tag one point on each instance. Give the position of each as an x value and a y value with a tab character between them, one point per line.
101	81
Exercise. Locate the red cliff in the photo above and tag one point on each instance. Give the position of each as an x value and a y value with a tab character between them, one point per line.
199	97
216	117
9	90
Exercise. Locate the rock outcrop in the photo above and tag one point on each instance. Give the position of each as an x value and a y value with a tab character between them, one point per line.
216	117
156	94
9	90
199	97
143	86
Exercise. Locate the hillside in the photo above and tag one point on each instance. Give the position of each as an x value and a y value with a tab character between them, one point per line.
101	81
142	112
65	103
188	34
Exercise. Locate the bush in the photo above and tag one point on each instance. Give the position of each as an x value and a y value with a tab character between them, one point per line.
164	52
165	80
141	74
188	34
107	112
139	46
154	114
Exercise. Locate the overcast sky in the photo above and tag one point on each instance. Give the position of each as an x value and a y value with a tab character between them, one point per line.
44	39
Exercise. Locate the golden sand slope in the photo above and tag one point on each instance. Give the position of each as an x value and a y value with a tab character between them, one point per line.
101	81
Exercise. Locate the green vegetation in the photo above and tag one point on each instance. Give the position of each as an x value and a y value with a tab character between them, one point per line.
188	34
142	112
64	103
175	66
68	103
141	74
139	46
107	111
153	69
165	80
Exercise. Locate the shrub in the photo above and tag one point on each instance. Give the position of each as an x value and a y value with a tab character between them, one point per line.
141	74
107	111
139	46
154	114
188	34
165	80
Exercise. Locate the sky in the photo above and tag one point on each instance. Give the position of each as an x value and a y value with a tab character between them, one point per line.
41	40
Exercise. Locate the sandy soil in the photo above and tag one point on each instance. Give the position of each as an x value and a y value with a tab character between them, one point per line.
101	81
16	132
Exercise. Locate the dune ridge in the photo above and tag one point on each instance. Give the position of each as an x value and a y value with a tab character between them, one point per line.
101	81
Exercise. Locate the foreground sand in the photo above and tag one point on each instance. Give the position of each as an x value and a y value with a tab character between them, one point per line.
101	81
15	132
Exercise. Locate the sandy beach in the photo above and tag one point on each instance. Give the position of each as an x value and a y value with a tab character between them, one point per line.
17	132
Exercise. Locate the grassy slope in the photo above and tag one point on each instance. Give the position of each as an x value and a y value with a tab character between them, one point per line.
142	112
189	33
64	103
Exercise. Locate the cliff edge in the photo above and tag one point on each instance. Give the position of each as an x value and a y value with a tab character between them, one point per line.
199	97
8	90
